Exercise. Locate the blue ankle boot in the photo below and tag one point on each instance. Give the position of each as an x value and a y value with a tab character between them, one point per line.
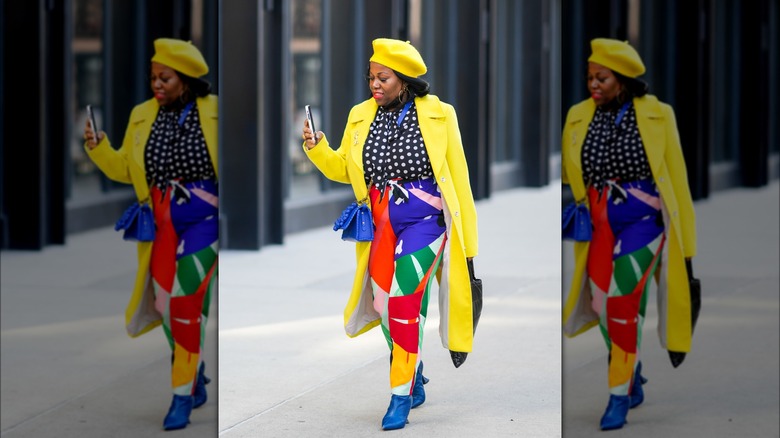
637	393
615	415
418	393
179	414
397	412
200	396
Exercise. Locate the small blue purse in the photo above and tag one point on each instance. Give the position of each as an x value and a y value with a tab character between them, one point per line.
138	223
357	223
576	223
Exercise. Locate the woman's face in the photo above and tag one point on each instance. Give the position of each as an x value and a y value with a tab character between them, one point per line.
602	84
384	84
166	84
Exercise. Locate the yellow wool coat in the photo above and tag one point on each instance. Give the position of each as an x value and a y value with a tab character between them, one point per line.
439	129
126	165
658	129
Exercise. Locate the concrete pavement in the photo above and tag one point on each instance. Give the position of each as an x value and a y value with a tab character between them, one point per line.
68	367
288	370
728	385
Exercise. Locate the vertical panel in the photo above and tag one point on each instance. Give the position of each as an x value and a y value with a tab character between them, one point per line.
23	107
270	134
754	124
240	166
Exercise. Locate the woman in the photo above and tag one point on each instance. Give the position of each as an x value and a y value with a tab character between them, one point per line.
169	155
622	157
401	152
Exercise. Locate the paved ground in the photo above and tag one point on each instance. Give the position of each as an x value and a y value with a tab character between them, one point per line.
287	369
728	385
68	367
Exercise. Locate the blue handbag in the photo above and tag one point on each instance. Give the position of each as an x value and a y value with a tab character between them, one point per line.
576	223
357	223
138	223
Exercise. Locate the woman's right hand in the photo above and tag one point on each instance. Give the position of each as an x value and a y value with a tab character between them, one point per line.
308	136
90	137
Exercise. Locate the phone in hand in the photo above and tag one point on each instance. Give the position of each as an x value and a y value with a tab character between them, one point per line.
92	122
310	118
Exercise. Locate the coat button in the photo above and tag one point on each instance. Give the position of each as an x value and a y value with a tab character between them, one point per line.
674	214
661	179
457	213
442	179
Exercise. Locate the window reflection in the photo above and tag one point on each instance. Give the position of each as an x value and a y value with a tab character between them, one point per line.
87	89
305	89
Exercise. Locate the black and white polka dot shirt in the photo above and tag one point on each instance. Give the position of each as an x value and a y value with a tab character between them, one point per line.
613	152
394	152
177	152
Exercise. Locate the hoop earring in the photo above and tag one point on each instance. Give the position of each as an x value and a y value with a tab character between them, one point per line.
404	92
184	97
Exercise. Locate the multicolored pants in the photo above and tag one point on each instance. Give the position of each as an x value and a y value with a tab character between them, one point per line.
405	255
628	236
183	268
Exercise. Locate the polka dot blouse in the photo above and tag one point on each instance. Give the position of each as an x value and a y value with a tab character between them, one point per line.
177	152
394	152
613	152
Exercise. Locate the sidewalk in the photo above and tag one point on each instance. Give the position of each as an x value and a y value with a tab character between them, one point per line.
728	385
288	370
68	367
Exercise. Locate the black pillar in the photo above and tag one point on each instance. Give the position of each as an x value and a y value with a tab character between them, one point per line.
754	71
33	164
250	47
691	99
271	138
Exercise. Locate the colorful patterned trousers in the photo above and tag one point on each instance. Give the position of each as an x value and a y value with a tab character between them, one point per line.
183	268
628	237
405	255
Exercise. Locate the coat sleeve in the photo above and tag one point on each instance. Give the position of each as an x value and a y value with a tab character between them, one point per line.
456	160
113	163
679	176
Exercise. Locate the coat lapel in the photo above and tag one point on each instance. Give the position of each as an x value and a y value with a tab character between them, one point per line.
433	125
577	129
651	123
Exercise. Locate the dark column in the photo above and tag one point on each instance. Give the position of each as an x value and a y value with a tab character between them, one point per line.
691	100
271	138
754	72
250	47
238	125
33	202
536	153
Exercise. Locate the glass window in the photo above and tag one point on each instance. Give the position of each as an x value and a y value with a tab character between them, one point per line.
305	89
87	64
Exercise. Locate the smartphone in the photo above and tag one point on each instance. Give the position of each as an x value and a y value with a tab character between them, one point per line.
92	122
310	118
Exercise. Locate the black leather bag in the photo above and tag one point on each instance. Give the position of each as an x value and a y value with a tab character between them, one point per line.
458	357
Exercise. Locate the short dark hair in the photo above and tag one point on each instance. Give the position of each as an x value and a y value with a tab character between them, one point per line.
199	87
633	87
419	87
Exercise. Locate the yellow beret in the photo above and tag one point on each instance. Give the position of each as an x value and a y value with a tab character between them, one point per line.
400	56
181	56
617	56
